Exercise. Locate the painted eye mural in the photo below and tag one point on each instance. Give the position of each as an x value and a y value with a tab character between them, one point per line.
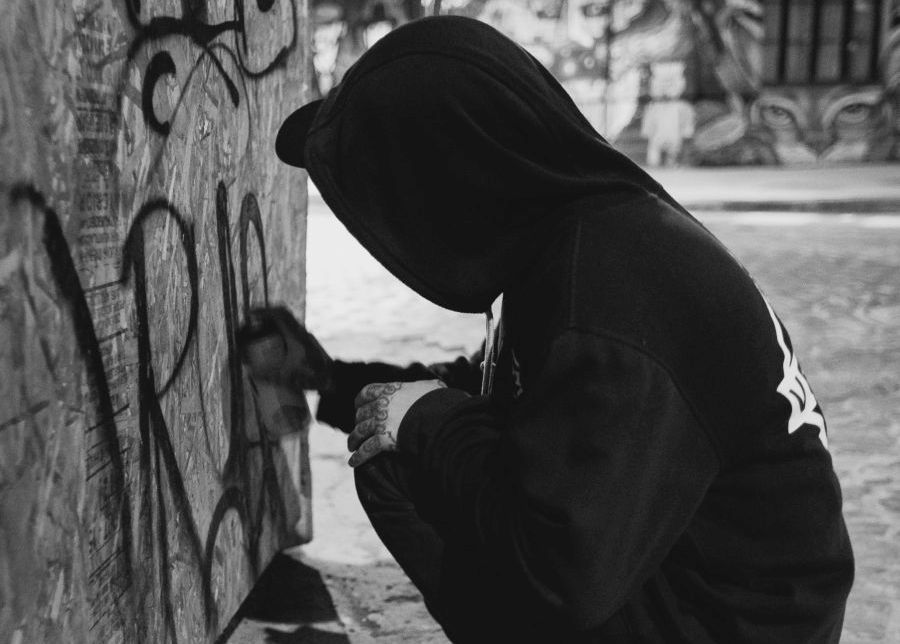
778	117
858	110
861	126
854	114
824	91
824	124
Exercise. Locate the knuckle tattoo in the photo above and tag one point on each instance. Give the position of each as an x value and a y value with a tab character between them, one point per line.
377	391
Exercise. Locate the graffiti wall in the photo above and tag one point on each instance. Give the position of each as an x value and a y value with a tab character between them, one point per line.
699	82
142	213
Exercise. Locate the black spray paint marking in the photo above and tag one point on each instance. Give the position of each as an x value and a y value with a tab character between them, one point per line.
152	423
66	278
133	249
236	475
161	64
157	458
206	37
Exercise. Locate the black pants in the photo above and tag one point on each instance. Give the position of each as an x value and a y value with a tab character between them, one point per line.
463	590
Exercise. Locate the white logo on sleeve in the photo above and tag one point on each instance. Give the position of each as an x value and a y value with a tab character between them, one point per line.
796	390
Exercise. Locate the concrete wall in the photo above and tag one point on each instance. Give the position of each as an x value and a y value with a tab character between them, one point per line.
676	81
142	212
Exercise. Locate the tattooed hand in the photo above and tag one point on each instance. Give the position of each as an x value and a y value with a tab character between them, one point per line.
379	409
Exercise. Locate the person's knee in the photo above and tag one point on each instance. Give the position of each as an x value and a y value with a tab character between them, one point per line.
379	483
367	482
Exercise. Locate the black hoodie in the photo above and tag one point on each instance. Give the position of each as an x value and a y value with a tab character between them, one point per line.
652	462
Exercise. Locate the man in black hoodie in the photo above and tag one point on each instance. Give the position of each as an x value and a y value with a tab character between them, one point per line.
643	460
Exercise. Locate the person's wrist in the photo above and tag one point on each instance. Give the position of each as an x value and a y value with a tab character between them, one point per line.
325	381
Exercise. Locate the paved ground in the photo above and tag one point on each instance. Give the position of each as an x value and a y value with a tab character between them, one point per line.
835	281
869	187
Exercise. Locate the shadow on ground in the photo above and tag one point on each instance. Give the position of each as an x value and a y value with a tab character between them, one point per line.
289	604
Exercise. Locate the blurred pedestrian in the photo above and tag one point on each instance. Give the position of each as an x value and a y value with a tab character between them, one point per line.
641	458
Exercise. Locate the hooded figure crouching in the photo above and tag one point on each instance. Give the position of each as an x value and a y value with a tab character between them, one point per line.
640	458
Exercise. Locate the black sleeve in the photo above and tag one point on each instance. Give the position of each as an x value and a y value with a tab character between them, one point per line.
462	373
347	378
584	491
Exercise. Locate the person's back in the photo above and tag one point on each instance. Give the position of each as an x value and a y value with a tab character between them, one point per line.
687	336
650	463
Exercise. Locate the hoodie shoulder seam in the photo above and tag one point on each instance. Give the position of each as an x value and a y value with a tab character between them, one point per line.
573	280
624	341
575	255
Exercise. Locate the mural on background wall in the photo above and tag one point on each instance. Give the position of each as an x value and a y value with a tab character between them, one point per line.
832	124
342	30
891	66
668	81
143	213
667	121
791	124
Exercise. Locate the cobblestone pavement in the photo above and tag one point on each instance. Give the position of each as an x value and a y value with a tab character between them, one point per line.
835	281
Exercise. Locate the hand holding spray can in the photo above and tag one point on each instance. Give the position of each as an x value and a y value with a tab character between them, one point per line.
282	359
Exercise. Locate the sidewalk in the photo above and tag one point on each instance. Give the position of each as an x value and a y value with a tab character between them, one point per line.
858	188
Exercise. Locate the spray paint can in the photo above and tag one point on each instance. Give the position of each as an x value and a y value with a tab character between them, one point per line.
276	361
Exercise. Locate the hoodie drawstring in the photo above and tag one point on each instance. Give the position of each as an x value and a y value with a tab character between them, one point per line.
493	340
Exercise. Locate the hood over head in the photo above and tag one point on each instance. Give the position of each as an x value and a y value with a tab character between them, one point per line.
450	153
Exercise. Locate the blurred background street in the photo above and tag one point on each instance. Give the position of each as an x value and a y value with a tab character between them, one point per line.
834	278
